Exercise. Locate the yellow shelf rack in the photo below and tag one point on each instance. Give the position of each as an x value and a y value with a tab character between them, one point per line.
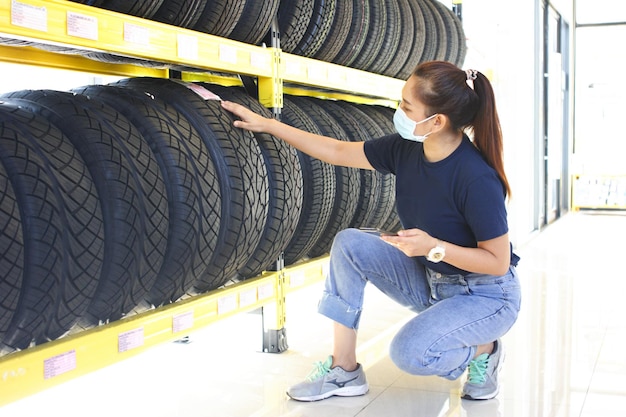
47	27
38	368
598	192
66	24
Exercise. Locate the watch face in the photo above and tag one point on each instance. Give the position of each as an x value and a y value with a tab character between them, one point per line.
436	254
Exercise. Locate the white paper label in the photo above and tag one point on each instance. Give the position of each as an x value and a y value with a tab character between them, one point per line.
59	364
226	304
130	340
203	92
293	68
187	46
247	298
82	26
259	60
182	322
29	16
228	54
266	291
136	34
316	72
297	279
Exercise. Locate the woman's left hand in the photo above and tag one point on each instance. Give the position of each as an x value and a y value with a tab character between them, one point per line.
413	242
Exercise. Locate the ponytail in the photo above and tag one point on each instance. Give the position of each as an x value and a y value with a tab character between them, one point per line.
467	98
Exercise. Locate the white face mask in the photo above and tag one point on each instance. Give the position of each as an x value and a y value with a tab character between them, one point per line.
406	126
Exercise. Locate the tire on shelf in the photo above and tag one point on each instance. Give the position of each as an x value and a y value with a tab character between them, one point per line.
11	250
375	36
347	180
61	223
383	116
318	190
359	27
294	17
285	189
255	21
318	28
219	17
390	52
131	190
140	8
438	31
413	23
181	13
240	170
381	191
191	184
338	32
431	38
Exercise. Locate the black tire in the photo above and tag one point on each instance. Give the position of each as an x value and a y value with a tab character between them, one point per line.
318	190
338	32
191	184
255	21
375	36
449	31
62	227
293	19
347	179
437	30
389	50
318	28
181	13
131	190
219	17
11	249
378	199
418	39
383	116
285	190
359	27
431	38
240	169
140	8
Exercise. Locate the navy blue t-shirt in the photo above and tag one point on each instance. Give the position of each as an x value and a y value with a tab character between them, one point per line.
459	199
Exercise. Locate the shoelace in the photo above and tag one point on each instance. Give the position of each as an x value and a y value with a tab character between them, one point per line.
320	369
478	369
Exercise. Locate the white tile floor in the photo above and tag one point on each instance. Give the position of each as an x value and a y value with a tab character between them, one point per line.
564	356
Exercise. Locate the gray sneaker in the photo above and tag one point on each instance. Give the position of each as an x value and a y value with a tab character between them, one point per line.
324	382
482	382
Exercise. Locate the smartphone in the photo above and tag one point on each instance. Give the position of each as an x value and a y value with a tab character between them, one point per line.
376	231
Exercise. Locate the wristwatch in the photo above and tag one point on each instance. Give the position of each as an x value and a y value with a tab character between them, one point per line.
437	253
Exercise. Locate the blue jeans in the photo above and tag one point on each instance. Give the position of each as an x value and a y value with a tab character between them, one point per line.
456	313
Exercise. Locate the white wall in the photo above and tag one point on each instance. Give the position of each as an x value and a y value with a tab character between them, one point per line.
502	43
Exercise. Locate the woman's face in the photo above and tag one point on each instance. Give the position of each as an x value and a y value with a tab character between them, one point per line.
414	108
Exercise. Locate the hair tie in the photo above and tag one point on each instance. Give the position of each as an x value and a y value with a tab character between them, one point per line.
471	76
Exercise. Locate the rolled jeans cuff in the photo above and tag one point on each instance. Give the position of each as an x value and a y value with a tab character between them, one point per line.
335	308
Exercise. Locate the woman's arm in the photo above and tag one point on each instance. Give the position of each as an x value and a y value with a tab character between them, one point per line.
490	257
333	151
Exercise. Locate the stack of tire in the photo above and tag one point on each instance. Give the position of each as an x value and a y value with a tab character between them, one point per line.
388	37
121	197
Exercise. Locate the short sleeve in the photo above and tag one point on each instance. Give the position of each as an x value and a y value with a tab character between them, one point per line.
484	208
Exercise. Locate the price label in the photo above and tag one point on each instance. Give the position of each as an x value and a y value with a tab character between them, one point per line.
136	34
228	54
29	16
82	26
130	340
59	364
187	46
226	304
182	321
247	298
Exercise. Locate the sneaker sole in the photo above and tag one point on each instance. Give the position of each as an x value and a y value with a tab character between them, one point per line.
340	392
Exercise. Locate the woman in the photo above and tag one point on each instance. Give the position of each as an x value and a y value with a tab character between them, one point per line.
453	263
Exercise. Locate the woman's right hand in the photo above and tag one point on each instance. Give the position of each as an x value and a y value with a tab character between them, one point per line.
249	120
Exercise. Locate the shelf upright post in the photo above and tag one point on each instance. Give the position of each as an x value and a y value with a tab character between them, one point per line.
271	88
274	332
457	8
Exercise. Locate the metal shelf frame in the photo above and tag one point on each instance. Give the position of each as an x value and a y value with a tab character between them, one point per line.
64	28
